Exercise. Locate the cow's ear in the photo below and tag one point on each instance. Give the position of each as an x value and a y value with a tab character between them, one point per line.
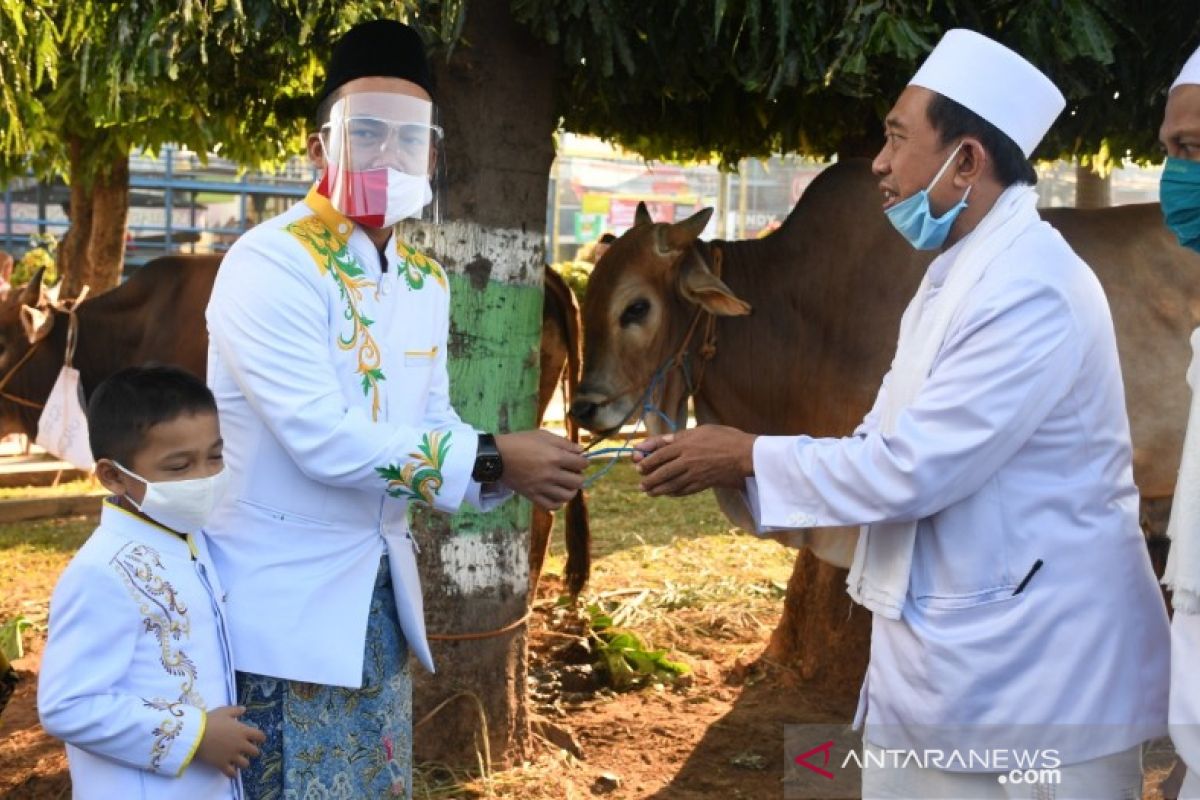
698	285
641	216
36	322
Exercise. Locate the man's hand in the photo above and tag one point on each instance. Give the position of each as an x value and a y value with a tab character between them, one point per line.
229	744
545	468
694	460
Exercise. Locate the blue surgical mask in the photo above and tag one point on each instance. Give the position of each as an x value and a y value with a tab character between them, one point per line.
916	222
1179	193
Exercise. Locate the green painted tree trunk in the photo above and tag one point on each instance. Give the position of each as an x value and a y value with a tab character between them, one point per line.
495	98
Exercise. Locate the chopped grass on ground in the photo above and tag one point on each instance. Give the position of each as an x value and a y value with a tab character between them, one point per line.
32	555
675	571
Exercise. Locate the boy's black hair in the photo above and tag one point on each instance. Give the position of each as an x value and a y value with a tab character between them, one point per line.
952	120
134	400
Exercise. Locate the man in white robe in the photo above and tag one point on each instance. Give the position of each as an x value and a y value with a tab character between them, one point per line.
1180	195
328	348
1015	610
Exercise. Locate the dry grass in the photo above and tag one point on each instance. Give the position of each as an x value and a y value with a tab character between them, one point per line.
32	554
65	489
675	571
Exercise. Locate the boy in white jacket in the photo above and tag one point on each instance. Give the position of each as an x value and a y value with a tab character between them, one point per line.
137	676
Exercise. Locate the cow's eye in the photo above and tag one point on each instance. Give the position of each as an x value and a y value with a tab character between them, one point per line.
635	312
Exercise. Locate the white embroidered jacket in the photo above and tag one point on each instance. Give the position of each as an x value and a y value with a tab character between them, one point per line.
330	375
137	654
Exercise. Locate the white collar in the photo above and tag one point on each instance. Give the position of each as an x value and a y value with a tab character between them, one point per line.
124	523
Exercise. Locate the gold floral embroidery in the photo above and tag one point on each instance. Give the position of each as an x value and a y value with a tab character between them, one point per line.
417	267
165	615
166	732
420	478
333	258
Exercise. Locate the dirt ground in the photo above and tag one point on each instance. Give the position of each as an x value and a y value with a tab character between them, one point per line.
719	737
671	571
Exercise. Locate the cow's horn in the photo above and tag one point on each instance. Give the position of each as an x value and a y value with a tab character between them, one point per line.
681	235
32	294
642	216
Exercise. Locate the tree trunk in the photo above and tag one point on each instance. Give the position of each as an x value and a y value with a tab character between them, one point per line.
495	97
1092	191
823	635
93	251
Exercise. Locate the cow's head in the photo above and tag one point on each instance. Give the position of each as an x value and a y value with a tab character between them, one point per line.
641	299
26	318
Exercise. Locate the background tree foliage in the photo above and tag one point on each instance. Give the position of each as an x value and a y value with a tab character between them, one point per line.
84	83
742	78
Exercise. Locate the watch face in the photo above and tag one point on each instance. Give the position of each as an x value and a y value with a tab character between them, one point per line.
488	468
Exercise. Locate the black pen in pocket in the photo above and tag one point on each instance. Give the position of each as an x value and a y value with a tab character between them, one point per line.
1028	577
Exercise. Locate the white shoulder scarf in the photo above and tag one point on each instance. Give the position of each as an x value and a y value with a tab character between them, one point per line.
882	565
1182	575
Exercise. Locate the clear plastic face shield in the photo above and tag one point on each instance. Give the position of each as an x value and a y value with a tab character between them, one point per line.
382	151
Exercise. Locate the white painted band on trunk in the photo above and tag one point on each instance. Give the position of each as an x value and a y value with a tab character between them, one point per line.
474	565
507	255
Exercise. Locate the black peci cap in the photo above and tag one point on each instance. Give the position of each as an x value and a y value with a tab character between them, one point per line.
380	48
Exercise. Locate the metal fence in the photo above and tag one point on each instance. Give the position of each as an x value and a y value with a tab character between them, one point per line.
179	202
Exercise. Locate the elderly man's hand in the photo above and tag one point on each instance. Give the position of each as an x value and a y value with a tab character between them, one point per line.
691	461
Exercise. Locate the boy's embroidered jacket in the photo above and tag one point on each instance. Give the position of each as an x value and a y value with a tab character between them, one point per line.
137	655
330	375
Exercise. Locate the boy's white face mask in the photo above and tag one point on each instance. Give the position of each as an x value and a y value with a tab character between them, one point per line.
182	506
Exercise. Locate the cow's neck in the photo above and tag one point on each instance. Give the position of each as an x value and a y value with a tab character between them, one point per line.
811	355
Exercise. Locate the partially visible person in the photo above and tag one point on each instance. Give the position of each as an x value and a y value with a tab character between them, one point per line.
6	270
137	676
601	247
1180	197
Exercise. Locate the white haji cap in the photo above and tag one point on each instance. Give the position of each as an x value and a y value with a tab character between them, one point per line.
1191	71
995	83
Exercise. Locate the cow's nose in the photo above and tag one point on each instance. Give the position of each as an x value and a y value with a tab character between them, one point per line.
583	410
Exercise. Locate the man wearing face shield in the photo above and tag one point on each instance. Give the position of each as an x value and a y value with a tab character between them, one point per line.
1180	198
328	361
1016	617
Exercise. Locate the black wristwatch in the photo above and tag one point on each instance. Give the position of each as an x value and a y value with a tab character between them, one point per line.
489	466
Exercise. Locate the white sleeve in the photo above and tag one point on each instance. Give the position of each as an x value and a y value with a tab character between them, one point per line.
268	325
995	381
94	626
871	420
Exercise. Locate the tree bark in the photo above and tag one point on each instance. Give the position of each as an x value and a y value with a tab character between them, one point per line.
93	251
496	103
1092	191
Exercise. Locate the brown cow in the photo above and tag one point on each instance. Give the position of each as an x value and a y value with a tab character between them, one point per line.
158	315
824	295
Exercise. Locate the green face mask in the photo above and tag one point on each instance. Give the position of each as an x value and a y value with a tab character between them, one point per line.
1179	194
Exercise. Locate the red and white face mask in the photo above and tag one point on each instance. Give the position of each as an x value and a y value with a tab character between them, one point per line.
380	149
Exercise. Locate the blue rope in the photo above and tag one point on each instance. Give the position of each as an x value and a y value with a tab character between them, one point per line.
648	407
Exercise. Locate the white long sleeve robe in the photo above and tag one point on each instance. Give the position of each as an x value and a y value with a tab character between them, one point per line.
1015	450
330	376
137	655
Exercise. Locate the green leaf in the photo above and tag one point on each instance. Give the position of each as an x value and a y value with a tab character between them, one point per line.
10	637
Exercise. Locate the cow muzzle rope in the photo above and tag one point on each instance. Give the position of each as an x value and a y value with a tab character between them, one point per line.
8	376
